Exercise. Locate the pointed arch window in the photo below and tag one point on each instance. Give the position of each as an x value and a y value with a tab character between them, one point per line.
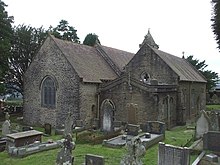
48	93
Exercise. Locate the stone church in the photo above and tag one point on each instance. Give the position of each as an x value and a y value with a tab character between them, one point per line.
103	85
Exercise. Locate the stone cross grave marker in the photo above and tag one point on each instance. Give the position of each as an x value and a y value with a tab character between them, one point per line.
135	151
68	125
64	157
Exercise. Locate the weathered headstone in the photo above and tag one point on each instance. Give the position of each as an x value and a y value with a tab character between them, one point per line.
64	157
6	125
156	127
202	124
47	129
172	155
131	111
135	151
214	123
68	129
133	129
94	160
211	141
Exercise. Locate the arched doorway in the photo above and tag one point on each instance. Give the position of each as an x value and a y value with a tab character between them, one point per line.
107	108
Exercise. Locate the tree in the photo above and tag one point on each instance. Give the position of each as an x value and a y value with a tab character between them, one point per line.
216	20
91	39
65	32
210	76
5	42
26	42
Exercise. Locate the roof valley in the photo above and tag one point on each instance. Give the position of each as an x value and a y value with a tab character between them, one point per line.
107	59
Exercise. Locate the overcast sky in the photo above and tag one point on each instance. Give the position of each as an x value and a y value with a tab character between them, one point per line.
176	25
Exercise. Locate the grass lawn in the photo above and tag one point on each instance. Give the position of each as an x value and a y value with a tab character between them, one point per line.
178	136
212	107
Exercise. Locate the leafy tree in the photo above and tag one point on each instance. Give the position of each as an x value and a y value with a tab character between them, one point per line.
91	39
26	42
216	20
210	76
65	32
5	42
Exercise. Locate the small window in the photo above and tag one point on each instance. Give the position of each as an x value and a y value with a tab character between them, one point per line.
48	93
145	77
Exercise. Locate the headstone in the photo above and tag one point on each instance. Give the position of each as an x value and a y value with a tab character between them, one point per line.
202	124
133	129
94	160
211	141
172	155
47	129
135	151
6	125
6	128
214	123
68	127
156	127
64	157
131	111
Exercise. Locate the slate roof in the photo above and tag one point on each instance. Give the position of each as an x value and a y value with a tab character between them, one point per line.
88	63
119	57
92	67
181	67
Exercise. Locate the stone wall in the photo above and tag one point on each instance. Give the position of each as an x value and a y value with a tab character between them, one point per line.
88	103
136	106
192	97
50	62
146	61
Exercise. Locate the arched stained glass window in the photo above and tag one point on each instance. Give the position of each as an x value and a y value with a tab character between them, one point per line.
48	93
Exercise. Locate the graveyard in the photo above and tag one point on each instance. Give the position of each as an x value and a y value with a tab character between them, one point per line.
111	148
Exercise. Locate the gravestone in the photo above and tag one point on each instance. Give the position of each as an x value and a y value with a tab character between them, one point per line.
214	123
47	128
131	111
211	141
135	151
6	125
133	129
156	127
68	127
94	160
107	123
64	157
172	155
202	124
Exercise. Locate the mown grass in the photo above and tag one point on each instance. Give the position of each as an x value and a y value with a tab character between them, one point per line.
213	107
178	136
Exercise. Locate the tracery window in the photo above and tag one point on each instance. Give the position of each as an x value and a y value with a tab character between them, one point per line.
48	93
